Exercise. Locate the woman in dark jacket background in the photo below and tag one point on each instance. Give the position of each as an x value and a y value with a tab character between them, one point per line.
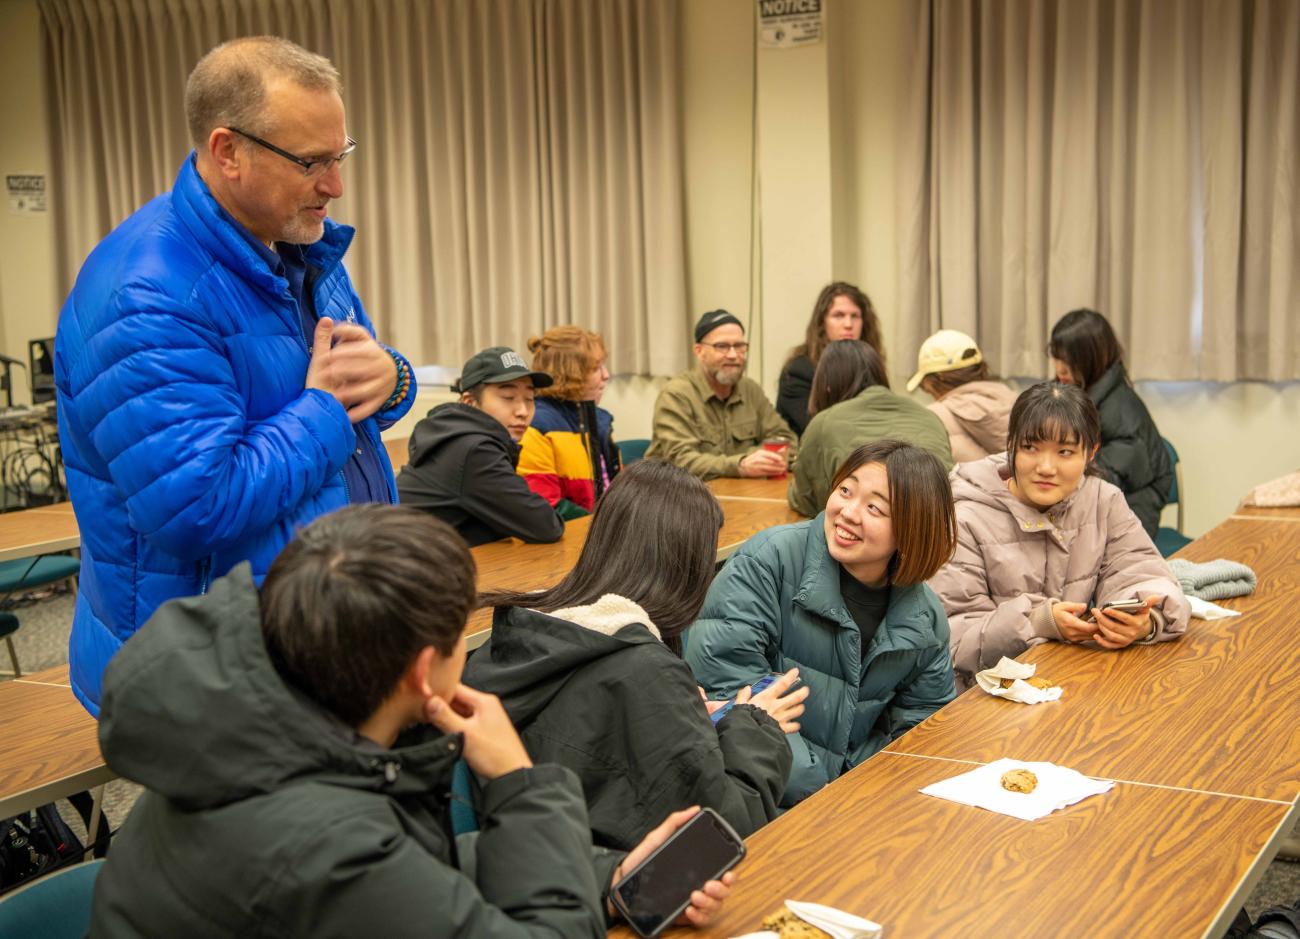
842	311
1085	352
591	672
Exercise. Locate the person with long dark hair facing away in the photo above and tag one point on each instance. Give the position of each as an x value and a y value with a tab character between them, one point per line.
851	405
1085	352
1043	542
568	455
973	405
843	599
842	311
591	673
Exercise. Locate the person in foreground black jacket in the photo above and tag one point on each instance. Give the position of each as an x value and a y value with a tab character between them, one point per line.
463	455
591	672
299	753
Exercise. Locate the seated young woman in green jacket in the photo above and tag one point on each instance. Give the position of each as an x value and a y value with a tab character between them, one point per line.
843	599
851	404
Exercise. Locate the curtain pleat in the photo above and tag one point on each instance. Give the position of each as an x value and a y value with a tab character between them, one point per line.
520	161
1140	158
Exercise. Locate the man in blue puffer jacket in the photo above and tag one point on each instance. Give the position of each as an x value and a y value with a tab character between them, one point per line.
219	384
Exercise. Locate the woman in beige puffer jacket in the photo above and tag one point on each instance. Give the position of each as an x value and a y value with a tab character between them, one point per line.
1037	551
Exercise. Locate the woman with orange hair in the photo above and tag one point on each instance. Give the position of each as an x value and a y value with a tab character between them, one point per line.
568	454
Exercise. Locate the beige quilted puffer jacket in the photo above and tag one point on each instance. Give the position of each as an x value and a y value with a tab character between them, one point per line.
1013	561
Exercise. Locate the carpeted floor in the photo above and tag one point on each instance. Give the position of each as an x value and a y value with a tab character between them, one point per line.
42	642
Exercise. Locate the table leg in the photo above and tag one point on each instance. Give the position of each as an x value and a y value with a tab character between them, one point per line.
96	816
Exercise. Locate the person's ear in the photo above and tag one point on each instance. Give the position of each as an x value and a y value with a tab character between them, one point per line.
419	676
226	154
1093	454
467	398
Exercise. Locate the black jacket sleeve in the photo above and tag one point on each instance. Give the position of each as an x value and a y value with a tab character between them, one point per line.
792	393
535	877
496	495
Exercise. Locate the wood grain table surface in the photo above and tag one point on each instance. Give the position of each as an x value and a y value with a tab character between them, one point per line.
49	744
42	530
1218	710
1135	861
727	487
1290	513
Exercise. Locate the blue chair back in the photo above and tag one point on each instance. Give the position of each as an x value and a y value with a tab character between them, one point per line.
56	906
1173	461
630	451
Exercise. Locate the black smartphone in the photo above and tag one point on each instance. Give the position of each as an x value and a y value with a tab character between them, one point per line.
1131	605
658	889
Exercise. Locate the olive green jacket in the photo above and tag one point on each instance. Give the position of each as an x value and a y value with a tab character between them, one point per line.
875	414
707	436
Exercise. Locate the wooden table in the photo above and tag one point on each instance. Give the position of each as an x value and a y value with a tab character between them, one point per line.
765	489
42	530
1286	513
872	844
49	745
1202	736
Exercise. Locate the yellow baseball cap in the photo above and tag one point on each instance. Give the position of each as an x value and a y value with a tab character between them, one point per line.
945	351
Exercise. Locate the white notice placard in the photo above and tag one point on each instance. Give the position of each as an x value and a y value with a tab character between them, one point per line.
26	194
786	23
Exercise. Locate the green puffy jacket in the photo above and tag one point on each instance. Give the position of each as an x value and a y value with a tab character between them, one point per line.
777	605
875	414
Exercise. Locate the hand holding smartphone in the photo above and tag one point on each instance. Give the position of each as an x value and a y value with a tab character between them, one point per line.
658	889
1130	605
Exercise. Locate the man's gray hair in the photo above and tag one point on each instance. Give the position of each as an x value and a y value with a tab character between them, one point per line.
228	86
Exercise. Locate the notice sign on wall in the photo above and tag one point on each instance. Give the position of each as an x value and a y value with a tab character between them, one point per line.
786	23
26	194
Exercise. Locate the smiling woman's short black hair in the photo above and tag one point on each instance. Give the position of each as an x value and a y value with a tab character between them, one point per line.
920	506
1054	412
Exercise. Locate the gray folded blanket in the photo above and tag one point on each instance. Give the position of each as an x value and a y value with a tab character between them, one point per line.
1213	580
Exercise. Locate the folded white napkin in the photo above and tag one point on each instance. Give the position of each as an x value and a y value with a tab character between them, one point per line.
1204	609
1057	787
836	923
991	681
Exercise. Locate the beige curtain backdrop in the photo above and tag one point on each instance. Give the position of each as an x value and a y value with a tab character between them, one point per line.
1136	157
520	161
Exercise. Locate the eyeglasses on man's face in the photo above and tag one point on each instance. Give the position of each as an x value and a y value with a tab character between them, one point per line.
312	169
725	348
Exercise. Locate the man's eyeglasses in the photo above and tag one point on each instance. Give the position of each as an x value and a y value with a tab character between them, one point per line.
310	168
724	348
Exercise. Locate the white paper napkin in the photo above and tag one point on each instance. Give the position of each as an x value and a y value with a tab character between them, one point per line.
991	681
1204	609
836	923
982	787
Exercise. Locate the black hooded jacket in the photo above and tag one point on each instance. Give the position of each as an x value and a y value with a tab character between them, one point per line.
1132	452
462	470
265	816
625	714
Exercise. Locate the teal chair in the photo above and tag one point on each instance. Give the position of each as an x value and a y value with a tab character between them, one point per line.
630	451
1169	540
28	574
56	906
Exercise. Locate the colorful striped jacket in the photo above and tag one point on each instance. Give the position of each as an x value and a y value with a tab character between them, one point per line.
560	450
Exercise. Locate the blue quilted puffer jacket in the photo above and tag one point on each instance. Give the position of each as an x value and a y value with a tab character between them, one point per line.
189	441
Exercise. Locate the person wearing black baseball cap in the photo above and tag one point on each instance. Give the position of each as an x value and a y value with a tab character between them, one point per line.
464	455
712	420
